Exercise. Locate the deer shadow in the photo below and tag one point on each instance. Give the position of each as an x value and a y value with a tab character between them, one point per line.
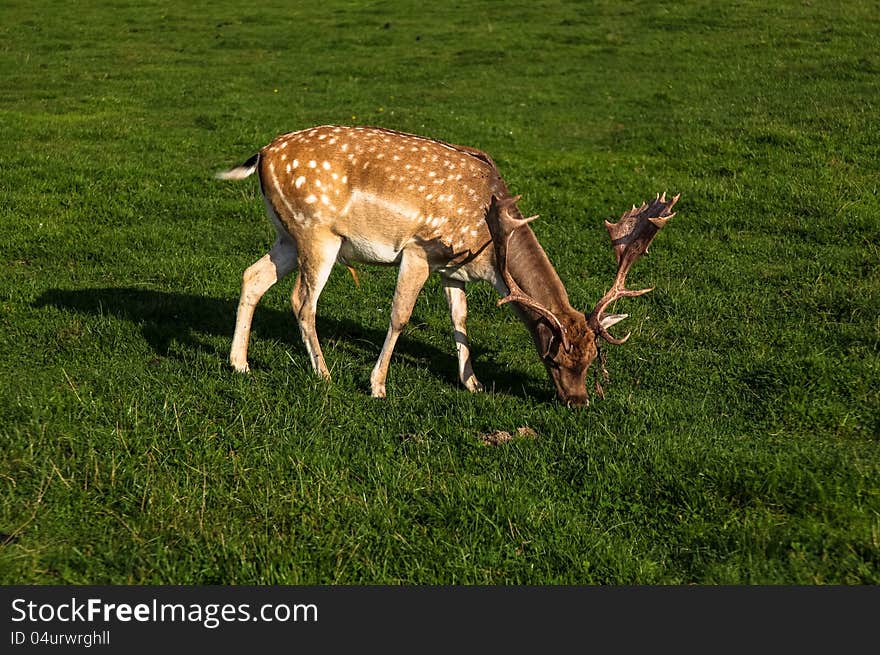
168	318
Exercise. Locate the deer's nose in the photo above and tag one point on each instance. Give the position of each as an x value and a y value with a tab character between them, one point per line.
577	402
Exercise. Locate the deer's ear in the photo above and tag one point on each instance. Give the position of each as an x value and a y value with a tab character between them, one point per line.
546	337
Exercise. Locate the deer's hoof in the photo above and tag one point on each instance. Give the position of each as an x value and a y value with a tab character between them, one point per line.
474	385
378	391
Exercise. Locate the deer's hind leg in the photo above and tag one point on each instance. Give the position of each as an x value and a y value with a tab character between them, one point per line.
317	254
257	279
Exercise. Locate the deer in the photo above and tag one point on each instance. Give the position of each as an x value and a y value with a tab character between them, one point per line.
370	195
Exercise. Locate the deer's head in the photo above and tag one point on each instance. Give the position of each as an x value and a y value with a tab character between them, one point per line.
567	340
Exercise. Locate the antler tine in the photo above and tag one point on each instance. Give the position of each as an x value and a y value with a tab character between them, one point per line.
630	238
502	226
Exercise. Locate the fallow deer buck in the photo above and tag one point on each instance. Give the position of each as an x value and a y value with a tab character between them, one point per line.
371	195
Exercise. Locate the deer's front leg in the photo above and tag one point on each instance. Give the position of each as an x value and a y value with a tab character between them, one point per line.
414	271
454	292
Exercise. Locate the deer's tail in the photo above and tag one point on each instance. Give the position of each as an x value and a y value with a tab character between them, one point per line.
242	171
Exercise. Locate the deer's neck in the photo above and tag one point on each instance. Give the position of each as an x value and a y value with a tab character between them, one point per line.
530	268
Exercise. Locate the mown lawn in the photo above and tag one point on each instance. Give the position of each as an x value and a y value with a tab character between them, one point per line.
738	440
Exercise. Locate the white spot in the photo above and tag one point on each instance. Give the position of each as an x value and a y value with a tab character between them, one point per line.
429	196
283	156
318	184
344	179
335	176
288	168
311	198
299	181
325	200
326	165
295	163
322	137
332	141
313	164
344	147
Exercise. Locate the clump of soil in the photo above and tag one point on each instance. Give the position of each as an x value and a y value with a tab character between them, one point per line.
498	437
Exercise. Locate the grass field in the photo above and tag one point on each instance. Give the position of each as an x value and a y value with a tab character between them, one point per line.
738	440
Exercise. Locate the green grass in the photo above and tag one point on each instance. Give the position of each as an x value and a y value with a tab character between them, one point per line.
738	442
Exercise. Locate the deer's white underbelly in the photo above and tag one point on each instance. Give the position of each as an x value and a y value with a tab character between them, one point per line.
368	251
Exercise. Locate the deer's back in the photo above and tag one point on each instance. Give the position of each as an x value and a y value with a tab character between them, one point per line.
382	191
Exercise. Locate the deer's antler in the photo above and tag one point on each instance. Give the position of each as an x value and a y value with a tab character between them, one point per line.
630	238
502	224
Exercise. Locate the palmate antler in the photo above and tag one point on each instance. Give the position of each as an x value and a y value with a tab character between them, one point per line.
630	238
502	224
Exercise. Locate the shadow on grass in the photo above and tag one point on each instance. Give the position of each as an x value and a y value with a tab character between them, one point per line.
167	318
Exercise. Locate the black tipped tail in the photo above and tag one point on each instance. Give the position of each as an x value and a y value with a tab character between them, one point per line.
240	172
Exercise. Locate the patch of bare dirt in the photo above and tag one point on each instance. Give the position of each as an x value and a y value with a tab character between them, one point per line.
498	437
